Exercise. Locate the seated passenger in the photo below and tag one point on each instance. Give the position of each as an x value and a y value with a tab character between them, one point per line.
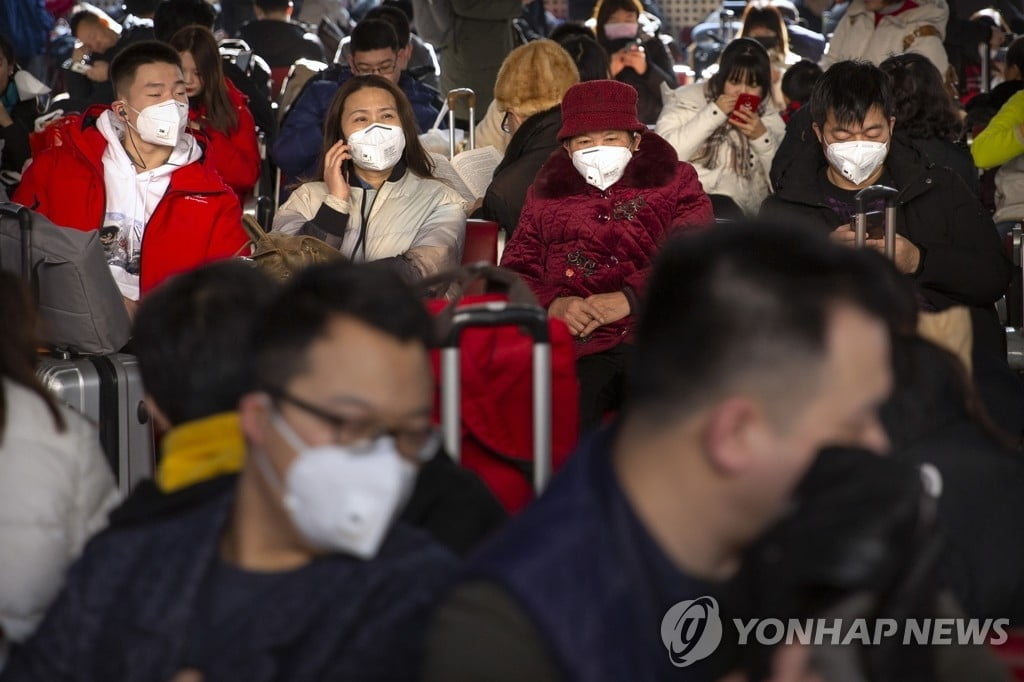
731	147
757	347
219	111
529	91
763	23
100	39
874	30
1001	144
945	241
797	84
19	91
375	197
56	486
376	51
276	38
297	571
132	171
592	222
417	56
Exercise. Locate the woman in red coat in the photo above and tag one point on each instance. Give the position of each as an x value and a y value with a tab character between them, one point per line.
593	220
218	111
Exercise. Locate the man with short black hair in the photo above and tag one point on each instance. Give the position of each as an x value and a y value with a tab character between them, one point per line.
946	241
414	54
275	37
299	570
132	172
376	50
757	346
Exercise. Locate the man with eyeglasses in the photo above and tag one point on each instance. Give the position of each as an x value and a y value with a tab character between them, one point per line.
376	49
299	570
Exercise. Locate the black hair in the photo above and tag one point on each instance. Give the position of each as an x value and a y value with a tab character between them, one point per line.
189	338
571	29
799	80
923	106
173	15
141	8
128	61
371	293
591	59
272	5
849	90
1015	54
19	346
404	5
750	300
7	50
84	15
394	16
743	60
374	34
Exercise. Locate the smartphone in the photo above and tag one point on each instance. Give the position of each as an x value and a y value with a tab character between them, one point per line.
875	224
747	102
77	67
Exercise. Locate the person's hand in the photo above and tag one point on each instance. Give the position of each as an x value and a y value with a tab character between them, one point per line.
575	312
845	234
726	103
79	53
748	123
99	73
636	57
609	307
131	306
907	257
334	176
617	63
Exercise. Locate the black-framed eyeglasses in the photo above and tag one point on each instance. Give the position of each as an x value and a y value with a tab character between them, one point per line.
385	69
360	435
506	123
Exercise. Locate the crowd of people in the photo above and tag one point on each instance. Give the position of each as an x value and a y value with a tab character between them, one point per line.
778	413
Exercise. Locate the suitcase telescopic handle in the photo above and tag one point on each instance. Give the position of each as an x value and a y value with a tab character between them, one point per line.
453	98
265	212
497	314
24	217
863	198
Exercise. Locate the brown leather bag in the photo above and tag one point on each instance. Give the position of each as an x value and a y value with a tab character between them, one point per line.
283	255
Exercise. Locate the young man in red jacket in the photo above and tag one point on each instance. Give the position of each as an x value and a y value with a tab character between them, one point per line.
132	172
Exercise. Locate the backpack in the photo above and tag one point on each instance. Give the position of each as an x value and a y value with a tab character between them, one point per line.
435	21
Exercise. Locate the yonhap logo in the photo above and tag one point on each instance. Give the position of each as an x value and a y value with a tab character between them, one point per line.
691	631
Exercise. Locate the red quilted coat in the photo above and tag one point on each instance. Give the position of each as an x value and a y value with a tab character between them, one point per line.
575	240
235	155
197	221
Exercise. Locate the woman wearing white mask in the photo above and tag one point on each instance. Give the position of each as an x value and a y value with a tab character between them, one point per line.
593	219
376	197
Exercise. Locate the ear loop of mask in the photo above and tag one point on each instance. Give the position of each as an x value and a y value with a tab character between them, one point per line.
129	128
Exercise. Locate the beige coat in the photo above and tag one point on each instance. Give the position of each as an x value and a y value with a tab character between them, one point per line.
857	37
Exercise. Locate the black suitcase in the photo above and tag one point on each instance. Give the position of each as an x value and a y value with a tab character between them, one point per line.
105	389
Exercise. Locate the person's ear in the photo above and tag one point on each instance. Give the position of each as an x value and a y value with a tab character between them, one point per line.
351	59
892	125
817	133
635	143
731	435
253	417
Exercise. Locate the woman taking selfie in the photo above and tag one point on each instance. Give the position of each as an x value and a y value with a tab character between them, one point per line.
728	129
218	111
375	196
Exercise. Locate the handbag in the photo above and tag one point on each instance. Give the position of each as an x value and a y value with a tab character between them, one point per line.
283	255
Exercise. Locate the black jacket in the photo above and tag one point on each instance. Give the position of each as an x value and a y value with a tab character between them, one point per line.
16	149
963	259
527	151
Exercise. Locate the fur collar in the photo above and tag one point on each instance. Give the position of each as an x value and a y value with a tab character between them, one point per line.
653	165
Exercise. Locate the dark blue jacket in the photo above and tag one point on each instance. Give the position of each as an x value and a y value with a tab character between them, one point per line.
130	604
297	147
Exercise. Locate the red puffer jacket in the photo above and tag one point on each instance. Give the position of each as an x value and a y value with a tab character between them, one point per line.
235	155
197	221
575	240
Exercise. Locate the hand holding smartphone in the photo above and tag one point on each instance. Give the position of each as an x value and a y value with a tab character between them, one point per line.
747	103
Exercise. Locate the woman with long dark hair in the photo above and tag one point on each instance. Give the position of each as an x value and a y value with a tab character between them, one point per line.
375	196
218	111
731	148
55	484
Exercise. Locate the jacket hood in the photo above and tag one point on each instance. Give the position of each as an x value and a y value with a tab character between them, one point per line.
934	12
653	165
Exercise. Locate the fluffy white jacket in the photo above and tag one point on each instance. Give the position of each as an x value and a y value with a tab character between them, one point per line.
857	37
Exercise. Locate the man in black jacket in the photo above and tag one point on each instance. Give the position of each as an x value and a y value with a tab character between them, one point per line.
945	242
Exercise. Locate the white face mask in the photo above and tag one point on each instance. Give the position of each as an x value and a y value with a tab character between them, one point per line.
339	499
601	166
620	30
856	160
162	123
378	147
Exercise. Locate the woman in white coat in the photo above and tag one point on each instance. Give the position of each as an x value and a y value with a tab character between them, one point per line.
731	148
376	198
55	485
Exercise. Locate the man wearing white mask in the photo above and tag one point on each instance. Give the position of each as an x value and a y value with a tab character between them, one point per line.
946	241
131	170
593	219
299	570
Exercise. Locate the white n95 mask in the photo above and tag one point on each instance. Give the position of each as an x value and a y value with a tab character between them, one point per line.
378	147
601	166
856	160
339	498
162	123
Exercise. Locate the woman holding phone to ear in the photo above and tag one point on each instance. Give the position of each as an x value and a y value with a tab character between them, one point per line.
731	146
375	197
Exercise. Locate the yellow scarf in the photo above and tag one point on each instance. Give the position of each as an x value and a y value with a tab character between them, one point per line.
199	450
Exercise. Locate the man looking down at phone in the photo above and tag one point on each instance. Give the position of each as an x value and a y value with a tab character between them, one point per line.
132	172
375	197
945	239
728	128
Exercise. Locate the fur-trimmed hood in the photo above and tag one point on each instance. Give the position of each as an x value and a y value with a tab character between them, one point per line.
653	165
